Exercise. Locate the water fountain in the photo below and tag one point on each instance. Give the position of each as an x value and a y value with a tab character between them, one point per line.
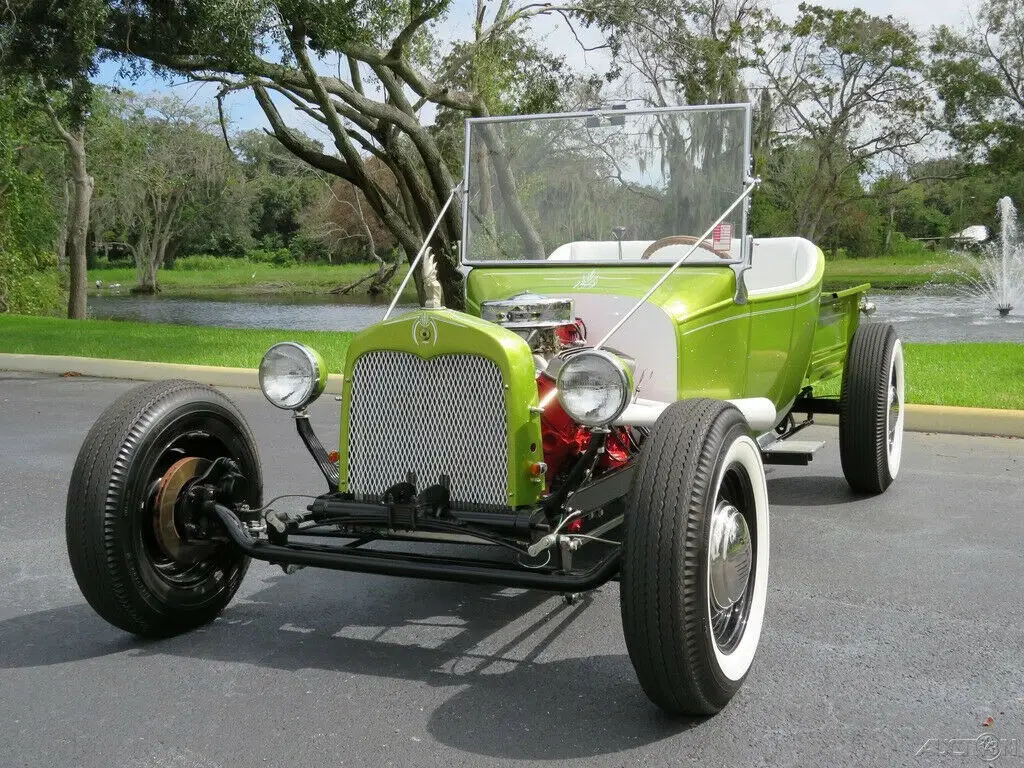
957	303
1000	280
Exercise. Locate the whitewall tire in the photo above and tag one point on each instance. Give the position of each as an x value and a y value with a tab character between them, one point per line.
872	409
695	566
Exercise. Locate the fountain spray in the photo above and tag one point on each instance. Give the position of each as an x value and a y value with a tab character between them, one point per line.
1008	231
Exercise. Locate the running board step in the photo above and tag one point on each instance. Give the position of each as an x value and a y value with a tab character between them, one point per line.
792	452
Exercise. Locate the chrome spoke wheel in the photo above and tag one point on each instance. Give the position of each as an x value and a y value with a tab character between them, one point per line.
731	559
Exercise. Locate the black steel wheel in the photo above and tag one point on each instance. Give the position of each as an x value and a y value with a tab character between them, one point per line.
871	409
127	528
695	566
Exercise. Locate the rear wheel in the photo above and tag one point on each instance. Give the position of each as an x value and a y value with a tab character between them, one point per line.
127	530
695	567
871	409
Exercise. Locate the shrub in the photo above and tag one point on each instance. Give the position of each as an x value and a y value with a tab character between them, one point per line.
901	245
305	247
205	261
281	257
228	244
30	286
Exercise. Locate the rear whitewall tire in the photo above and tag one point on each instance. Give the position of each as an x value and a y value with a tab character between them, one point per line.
872	409
896	413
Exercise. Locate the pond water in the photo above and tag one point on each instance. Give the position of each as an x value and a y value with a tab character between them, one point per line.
921	317
308	313
917	317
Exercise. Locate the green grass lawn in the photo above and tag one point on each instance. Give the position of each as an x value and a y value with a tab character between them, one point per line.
977	375
123	340
980	375
249	278
893	273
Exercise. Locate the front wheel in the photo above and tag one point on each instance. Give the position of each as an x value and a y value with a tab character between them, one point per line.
695	567
127	530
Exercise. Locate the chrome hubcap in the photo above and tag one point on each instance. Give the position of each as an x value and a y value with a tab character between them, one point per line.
731	556
894	413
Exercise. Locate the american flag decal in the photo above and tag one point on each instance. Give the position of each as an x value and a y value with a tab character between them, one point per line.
721	238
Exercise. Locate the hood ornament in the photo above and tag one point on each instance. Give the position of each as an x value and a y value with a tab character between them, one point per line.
432	294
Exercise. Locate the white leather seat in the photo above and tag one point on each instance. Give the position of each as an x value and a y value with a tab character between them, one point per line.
632	250
781	264
778	263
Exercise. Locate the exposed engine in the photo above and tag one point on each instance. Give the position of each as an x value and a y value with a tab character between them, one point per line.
550	328
546	323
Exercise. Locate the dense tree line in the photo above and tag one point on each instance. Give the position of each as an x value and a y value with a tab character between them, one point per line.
870	138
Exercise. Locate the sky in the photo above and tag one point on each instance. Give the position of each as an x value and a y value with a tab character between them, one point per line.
244	114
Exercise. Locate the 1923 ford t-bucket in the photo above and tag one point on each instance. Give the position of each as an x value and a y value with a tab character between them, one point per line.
628	361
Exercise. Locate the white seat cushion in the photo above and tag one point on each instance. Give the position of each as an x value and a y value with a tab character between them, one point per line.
632	250
781	264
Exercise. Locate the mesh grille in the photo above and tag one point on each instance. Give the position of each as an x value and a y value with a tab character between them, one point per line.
440	416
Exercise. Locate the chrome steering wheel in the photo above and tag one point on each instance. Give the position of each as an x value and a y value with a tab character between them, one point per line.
657	245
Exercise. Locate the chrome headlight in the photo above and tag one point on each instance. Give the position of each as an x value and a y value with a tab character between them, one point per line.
292	375
594	387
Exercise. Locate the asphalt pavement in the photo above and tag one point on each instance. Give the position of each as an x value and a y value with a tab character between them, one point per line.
895	629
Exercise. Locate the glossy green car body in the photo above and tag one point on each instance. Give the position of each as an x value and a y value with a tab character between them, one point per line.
760	348
732	317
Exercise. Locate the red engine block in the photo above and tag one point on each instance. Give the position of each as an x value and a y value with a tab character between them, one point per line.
564	439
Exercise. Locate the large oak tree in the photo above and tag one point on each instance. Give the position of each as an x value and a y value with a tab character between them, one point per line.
368	71
848	96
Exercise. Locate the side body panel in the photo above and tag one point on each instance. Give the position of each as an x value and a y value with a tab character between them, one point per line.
838	319
782	328
432	333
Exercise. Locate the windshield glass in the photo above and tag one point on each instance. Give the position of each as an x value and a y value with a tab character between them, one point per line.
605	186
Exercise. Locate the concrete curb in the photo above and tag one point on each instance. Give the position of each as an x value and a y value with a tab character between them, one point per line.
920	418
143	371
955	420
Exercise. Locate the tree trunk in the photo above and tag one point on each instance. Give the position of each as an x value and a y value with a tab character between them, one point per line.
78	224
146	274
141	252
888	229
149	264
62	238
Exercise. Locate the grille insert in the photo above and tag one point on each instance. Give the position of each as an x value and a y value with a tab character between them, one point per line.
445	415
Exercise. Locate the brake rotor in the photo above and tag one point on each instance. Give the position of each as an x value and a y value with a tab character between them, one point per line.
168	535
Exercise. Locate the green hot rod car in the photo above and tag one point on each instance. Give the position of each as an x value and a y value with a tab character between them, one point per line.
628	361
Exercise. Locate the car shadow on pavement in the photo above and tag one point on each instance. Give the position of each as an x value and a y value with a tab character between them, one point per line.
56	636
514	694
810	491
